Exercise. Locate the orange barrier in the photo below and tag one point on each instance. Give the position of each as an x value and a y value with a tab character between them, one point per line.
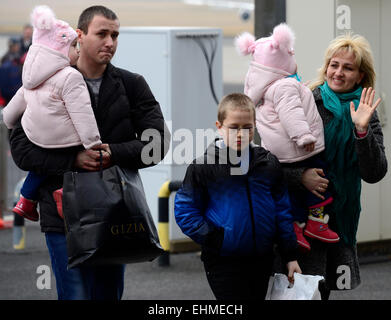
5	224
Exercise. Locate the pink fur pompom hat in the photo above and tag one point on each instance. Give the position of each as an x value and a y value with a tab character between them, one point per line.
50	32
276	51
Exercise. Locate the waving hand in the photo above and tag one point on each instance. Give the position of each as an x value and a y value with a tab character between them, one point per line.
365	110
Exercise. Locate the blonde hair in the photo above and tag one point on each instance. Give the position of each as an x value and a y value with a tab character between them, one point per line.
361	49
234	101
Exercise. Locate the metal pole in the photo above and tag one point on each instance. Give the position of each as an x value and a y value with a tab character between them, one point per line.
19	230
163	223
163	227
3	170
268	13
18	233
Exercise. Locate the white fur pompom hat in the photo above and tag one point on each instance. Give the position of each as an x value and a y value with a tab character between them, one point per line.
50	32
276	51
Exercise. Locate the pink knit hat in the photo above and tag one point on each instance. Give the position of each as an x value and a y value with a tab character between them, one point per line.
275	51
50	32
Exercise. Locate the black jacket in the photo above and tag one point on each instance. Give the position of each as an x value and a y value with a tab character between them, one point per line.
125	109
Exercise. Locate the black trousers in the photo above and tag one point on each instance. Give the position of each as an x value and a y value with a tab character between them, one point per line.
236	278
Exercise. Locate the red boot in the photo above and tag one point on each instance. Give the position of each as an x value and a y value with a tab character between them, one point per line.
319	229
57	195
298	228
27	209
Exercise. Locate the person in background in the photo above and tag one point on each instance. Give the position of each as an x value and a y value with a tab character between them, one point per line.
26	39
11	64
11	71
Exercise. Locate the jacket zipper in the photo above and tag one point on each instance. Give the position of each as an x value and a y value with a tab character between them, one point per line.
252	214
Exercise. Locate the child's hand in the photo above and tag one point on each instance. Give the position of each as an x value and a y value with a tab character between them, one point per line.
309	147
293	267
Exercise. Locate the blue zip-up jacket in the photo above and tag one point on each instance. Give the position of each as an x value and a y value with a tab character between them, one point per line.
239	215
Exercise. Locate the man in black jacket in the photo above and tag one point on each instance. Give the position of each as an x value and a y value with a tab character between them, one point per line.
124	107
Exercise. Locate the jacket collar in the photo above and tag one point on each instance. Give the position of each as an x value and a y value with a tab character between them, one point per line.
217	153
317	95
108	92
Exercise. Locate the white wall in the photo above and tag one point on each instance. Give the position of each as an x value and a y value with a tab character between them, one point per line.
176	70
313	24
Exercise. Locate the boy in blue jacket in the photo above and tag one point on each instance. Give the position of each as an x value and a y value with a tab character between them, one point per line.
234	203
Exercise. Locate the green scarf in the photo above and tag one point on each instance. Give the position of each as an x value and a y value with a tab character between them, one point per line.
341	158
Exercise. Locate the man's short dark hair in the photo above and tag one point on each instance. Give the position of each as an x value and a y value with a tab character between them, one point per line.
88	14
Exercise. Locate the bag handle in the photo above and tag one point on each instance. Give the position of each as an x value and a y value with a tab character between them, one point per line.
100	164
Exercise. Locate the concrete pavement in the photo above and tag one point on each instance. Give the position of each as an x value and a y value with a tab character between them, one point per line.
184	279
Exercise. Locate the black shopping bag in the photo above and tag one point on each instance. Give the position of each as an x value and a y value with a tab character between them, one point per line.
107	218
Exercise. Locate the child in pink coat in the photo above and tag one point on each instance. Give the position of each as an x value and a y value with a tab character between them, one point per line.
288	122
54	101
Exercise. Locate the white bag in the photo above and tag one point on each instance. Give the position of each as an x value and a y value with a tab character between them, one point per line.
305	287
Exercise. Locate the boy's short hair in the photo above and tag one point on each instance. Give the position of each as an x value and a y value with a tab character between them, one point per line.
88	14
234	101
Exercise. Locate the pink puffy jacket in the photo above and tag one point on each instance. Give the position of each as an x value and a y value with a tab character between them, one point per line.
54	102
287	116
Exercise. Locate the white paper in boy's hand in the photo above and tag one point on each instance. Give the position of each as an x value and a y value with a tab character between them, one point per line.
306	287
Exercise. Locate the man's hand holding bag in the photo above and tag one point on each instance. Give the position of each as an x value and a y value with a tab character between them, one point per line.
107	218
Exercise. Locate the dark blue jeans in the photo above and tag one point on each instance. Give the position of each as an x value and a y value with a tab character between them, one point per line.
302	200
31	185
83	283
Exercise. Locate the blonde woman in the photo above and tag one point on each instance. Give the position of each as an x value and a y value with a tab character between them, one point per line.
344	96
